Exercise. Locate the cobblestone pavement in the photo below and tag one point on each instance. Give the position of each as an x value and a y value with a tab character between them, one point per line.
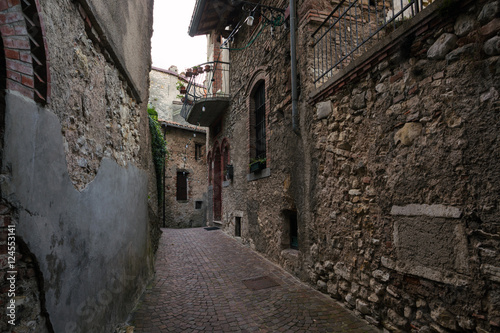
199	288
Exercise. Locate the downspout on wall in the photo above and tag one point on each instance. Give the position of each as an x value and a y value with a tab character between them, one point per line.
293	27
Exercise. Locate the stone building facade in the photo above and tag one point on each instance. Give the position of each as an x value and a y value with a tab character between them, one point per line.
386	198
185	183
75	164
185	176
164	95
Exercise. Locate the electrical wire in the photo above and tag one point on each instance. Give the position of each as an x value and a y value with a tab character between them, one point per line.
276	22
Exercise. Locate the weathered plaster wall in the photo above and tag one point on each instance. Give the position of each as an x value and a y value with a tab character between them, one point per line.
184	214
77	237
98	116
75	172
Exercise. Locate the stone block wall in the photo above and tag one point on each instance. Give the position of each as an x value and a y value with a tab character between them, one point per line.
181	145
405	230
164	94
393	177
260	201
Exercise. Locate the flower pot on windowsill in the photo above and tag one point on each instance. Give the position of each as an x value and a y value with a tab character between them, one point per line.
257	166
182	90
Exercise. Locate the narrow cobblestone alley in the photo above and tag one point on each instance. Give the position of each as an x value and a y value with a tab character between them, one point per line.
200	286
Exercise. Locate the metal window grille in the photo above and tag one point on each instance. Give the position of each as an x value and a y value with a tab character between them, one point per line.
260	122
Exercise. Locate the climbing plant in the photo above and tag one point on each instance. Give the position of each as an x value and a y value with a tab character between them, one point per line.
159	149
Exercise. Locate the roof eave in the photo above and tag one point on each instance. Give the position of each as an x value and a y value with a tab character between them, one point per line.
195	18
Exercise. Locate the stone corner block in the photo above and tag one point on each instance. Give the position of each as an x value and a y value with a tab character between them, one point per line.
427	210
323	109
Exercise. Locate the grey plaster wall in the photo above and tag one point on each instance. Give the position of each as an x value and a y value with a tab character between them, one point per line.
91	245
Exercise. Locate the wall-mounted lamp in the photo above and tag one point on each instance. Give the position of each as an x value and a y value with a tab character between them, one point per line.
250	19
259	9
203	108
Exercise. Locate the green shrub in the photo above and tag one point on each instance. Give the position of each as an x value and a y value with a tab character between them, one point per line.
158	148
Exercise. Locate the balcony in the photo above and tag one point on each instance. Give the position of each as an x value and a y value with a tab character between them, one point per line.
353	28
207	94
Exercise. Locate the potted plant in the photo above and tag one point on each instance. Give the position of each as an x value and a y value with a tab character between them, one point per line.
181	87
207	68
257	164
195	70
189	72
186	101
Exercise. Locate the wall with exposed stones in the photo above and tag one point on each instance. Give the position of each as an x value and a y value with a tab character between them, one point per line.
76	161
405	230
394	175
181	145
258	200
164	95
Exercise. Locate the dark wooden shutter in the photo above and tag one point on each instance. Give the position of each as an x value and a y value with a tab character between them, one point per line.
182	185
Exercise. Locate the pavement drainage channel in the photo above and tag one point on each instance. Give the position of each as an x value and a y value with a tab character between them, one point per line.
259	283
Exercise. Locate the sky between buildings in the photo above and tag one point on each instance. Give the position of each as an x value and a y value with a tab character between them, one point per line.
171	44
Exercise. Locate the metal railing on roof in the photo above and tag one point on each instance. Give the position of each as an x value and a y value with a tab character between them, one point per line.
353	27
207	81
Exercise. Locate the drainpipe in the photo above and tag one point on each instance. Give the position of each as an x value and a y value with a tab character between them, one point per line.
293	27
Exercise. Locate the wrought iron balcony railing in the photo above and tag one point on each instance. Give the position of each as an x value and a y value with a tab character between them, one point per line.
353	27
207	93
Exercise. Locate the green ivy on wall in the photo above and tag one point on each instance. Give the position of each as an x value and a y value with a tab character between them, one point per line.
158	148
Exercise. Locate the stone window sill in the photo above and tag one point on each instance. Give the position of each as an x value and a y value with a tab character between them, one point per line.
259	175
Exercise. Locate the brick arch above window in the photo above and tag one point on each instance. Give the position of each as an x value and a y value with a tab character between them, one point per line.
25	48
215	147
257	116
258	75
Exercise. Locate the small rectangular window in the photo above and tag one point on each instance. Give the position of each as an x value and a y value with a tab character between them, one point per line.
198	204
237	226
197	151
182	186
294	232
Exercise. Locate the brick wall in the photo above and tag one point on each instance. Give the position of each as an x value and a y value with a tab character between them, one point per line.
25	49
